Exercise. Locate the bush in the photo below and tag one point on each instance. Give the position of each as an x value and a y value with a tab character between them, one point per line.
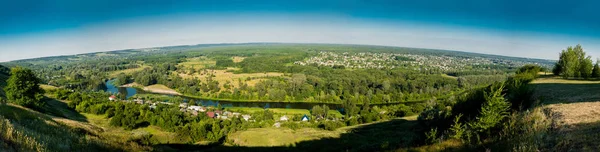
331	125
352	122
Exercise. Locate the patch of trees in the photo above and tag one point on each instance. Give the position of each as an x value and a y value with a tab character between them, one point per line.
23	88
481	114
573	63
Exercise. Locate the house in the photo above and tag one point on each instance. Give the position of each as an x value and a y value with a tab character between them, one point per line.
246	117
277	124
226	113
305	118
112	98
194	108
283	118
210	114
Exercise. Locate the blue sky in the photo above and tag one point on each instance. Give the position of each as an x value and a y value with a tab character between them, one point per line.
533	28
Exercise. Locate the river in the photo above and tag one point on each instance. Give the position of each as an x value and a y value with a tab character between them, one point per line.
127	92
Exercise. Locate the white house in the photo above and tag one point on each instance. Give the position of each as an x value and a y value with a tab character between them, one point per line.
283	118
246	117
183	105
112	98
195	108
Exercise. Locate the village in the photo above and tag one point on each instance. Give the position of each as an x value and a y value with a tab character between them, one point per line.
420	62
209	111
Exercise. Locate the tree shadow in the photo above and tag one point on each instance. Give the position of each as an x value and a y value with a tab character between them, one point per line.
61	109
389	135
552	93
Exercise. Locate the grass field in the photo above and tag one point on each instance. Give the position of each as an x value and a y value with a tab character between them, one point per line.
222	76
255	137
280	111
119	133
397	134
237	59
114	74
47	87
198	63
557	90
574	108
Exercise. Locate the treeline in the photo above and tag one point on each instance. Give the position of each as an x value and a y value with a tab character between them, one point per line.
170	118
485	115
573	63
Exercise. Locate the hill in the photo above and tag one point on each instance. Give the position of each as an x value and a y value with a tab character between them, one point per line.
23	129
574	109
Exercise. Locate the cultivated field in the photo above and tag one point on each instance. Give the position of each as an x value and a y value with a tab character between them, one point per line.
197	63
223	76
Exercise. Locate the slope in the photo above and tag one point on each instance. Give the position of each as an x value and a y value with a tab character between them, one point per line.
23	129
575	112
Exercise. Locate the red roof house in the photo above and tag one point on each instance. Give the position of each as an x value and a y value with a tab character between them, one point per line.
210	114
112	97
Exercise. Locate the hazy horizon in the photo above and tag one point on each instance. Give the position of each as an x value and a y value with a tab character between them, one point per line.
535	29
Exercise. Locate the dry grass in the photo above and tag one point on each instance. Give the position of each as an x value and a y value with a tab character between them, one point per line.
48	87
575	113
238	59
159	88
222	76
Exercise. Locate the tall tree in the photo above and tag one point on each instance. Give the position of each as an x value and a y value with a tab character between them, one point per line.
23	88
596	70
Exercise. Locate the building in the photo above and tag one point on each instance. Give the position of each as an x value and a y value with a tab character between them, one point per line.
195	108
246	117
277	124
305	118
112	98
210	114
283	118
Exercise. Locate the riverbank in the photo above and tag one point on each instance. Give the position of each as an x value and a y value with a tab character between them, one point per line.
156	88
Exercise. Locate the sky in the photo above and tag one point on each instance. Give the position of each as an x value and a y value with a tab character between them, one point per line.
522	28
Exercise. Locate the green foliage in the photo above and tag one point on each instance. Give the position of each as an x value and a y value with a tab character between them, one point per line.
23	88
574	63
493	112
457	129
331	125
320	111
432	136
596	71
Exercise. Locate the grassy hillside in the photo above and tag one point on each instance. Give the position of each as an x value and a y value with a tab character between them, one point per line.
574	109
22	129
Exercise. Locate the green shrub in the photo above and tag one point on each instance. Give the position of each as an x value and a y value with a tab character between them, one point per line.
331	125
